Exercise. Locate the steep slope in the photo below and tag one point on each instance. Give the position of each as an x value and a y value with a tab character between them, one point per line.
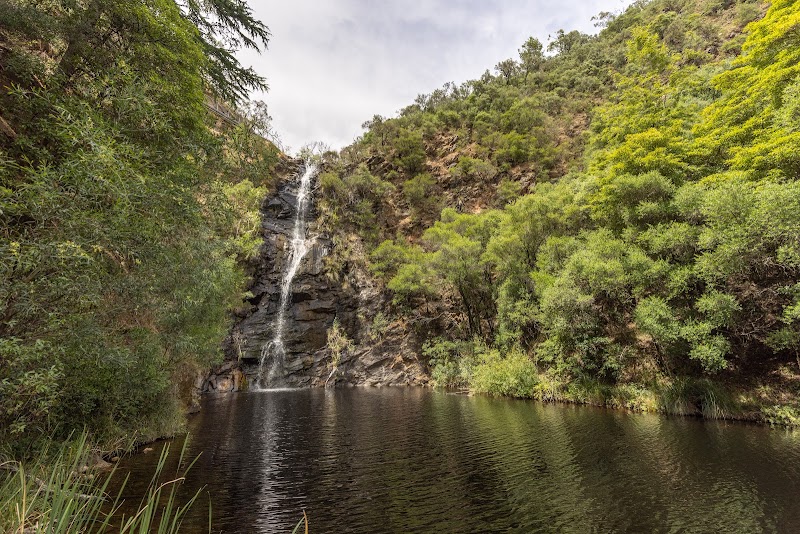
592	224
324	303
126	207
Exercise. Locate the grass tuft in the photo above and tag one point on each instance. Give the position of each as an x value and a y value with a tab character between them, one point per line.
58	493
689	396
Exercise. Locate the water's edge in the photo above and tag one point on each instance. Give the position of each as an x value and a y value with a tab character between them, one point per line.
750	417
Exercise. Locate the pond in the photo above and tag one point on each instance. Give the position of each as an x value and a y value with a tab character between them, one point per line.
415	460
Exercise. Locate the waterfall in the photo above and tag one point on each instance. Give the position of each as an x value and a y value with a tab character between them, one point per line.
270	367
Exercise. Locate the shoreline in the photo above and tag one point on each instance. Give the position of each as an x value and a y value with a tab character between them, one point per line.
644	400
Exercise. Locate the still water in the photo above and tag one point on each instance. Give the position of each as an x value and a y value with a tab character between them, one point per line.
415	460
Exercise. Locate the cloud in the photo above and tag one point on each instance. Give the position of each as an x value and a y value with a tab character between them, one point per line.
332	65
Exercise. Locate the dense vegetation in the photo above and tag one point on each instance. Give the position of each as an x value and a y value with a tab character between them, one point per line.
126	207
614	221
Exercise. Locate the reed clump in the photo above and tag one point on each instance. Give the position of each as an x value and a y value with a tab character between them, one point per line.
60	493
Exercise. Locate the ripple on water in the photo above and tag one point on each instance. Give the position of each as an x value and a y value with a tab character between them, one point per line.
413	460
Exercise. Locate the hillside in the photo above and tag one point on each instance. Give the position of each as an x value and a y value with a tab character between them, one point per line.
132	168
612	220
609	219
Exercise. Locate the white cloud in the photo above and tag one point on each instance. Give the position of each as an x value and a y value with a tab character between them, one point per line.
332	65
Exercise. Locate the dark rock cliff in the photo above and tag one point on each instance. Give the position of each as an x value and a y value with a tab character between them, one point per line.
318	297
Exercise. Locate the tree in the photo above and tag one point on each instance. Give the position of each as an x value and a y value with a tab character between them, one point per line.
419	193
226	26
531	56
251	147
410	151
566	41
458	241
755	126
120	225
507	69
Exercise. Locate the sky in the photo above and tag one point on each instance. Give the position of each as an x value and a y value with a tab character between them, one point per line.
331	65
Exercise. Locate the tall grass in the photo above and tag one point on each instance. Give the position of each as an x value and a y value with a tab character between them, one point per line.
59	494
302	522
688	396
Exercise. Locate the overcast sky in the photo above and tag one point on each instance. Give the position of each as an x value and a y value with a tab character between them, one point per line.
333	64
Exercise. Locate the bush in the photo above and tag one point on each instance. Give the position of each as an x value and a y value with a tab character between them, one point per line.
451	362
468	168
338	343
379	327
419	193
512	375
29	387
746	13
410	151
782	415
508	191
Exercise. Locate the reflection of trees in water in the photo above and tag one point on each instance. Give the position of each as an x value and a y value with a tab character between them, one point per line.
412	460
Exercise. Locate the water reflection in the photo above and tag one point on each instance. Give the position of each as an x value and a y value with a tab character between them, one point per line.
413	460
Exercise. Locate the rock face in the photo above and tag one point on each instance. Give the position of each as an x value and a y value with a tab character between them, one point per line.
312	303
317	298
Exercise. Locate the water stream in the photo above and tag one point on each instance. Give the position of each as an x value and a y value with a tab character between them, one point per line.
270	367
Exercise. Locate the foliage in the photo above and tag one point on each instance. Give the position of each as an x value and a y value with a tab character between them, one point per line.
452	363
379	327
782	415
648	224
249	148
29	388
752	127
457	243
468	167
512	375
125	209
419	194
692	396
338	343
353	199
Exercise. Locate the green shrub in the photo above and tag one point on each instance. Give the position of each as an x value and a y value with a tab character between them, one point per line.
379	327
418	192
29	387
782	415
633	397
451	362
410	151
690	396
338	343
508	191
512	375
746	13
468	168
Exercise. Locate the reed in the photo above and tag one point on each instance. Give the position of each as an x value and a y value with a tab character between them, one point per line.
302	522
59	493
688	396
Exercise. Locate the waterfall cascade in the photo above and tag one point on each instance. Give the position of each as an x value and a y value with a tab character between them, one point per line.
271	363
280	333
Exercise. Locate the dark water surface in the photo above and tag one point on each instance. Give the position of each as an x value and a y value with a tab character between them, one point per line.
415	460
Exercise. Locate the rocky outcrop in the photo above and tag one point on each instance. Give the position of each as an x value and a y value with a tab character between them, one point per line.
226	378
318	298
